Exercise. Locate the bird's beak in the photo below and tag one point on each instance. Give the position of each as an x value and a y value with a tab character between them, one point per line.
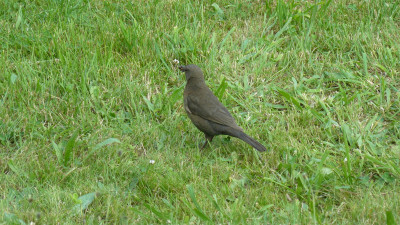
182	68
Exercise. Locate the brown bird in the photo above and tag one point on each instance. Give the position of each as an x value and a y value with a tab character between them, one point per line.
207	113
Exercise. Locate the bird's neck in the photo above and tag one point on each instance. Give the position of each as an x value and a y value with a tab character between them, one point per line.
195	82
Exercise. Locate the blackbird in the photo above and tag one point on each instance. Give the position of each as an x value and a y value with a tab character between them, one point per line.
207	113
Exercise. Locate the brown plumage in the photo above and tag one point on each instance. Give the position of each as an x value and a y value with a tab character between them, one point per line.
207	113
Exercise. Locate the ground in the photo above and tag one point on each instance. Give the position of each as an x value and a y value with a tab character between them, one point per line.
93	130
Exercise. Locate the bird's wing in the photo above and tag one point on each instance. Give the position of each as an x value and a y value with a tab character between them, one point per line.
210	108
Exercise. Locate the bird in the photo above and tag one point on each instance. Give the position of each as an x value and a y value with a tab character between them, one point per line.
207	113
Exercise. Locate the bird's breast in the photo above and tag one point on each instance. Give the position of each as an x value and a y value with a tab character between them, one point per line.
185	104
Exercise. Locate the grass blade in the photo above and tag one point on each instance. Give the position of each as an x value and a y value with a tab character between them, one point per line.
197	210
106	142
390	218
69	148
159	214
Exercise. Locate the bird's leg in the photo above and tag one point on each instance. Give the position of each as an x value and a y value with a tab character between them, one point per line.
208	140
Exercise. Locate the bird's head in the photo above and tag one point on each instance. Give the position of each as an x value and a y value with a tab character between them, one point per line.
192	71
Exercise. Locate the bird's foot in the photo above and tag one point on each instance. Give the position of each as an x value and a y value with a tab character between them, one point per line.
202	146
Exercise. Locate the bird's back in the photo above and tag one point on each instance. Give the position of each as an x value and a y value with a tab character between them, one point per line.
201	101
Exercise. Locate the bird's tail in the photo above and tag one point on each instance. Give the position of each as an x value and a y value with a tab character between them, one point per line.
246	138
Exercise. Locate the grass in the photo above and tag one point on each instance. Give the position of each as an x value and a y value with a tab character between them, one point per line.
89	95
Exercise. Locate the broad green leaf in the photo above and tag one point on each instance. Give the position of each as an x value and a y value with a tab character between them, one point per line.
85	201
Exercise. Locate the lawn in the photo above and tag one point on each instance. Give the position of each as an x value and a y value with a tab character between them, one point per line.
93	130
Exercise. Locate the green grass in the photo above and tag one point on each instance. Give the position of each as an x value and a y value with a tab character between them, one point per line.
89	94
